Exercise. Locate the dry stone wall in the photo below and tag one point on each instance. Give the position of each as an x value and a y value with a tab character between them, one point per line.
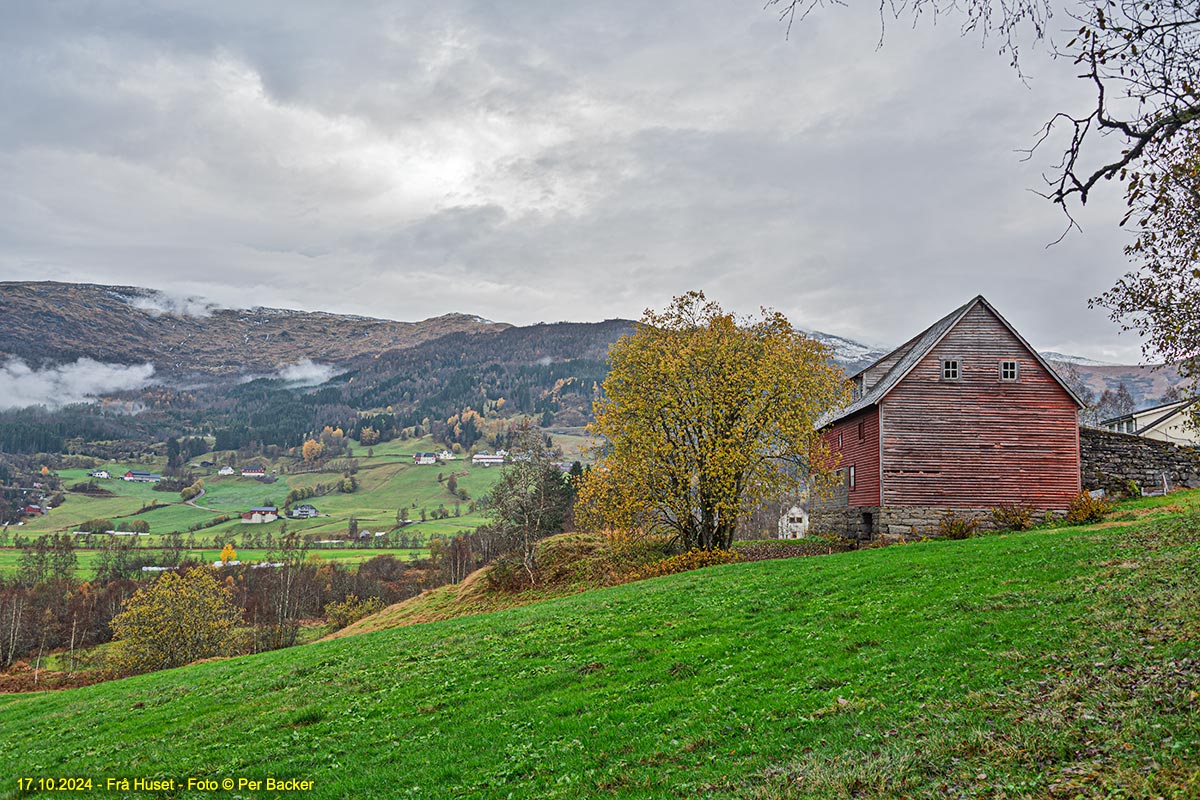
1110	461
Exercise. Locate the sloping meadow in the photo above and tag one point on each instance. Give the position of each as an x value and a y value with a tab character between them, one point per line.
1048	663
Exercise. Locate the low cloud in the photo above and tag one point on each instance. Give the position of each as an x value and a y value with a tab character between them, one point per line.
160	303
306	372
81	382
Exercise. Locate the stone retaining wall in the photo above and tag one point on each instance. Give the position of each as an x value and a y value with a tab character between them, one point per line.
1111	460
892	523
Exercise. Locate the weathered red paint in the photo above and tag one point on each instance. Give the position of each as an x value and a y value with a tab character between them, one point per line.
980	441
976	442
862	454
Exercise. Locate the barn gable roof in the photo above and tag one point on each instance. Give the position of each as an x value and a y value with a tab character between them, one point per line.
911	353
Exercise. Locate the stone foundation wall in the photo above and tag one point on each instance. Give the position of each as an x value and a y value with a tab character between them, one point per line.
891	523
848	522
1111	460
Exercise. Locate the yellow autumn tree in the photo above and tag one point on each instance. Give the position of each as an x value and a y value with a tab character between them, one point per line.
702	416
312	450
228	553
174	621
368	436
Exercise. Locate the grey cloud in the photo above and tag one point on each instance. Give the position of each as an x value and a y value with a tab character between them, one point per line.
55	386
541	160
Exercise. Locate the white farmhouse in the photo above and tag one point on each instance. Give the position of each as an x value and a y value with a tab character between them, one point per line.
1169	422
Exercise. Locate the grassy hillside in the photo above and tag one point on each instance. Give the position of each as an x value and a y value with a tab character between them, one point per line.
570	563
1048	663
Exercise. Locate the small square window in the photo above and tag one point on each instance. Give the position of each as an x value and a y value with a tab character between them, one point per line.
1008	370
851	473
862	431
951	370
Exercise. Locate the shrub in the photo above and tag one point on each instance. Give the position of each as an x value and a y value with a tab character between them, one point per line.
199	526
1012	517
351	610
191	492
508	574
685	562
1085	508
952	526
173	621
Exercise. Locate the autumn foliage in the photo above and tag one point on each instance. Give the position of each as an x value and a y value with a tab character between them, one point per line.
703	415
174	621
312	450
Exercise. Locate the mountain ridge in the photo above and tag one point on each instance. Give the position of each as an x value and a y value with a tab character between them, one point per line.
187	337
50	321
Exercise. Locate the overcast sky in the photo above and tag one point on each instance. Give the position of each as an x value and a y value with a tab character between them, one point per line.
545	161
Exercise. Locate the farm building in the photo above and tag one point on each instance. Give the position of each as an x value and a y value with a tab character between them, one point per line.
99	473
793	524
260	514
1169	422
253	472
424	458
487	459
225	470
139	476
962	418
303	511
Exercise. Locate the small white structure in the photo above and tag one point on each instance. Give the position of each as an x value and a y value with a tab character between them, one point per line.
486	459
425	459
794	523
446	455
99	473
225	470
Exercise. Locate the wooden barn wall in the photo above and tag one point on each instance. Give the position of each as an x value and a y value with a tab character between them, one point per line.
981	441
862	454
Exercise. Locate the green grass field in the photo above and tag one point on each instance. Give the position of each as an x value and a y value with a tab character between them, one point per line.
1049	663
388	481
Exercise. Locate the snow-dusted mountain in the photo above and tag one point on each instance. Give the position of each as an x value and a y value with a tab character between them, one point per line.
851	355
1062	358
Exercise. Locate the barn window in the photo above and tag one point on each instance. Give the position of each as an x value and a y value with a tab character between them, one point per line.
951	370
850	472
862	431
839	441
1008	371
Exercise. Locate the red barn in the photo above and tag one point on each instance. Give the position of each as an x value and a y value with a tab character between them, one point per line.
963	417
